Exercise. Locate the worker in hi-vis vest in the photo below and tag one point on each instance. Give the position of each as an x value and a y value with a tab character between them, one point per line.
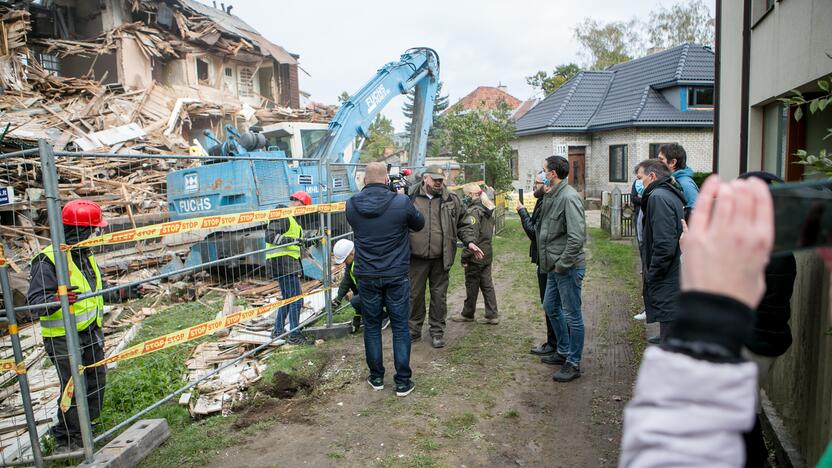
286	267
81	219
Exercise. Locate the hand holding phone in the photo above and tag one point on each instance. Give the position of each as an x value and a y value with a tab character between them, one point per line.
520	196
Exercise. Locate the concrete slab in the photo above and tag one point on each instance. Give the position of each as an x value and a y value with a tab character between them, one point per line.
132	446
335	331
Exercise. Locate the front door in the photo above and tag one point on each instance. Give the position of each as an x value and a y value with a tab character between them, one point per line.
577	168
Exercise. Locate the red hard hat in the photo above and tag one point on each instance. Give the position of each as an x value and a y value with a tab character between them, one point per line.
81	212
302	197
407	172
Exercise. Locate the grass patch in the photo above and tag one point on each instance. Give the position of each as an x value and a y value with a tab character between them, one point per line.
139	382
615	257
408	461
335	455
459	425
513	414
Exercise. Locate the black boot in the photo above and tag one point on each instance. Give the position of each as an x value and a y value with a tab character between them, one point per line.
356	324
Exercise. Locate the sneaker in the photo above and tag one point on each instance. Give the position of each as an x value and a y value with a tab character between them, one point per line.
437	342
567	373
640	316
356	324
553	359
385	322
654	339
543	350
297	340
276	333
462	318
376	382
403	390
490	321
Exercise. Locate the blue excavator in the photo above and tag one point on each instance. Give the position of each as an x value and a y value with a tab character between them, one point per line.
264	177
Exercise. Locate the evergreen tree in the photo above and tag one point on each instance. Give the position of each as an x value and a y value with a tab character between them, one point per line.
440	104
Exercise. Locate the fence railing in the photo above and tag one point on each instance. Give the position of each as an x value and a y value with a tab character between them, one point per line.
618	214
187	272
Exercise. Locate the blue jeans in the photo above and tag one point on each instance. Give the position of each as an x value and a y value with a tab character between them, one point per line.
289	287
393	293
562	303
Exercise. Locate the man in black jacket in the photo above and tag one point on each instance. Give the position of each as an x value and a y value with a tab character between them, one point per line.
547	348
381	222
663	204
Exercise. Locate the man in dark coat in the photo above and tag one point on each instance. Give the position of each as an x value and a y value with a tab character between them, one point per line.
547	348
382	222
664	207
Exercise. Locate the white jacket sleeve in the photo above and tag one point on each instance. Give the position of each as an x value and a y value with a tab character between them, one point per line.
688	412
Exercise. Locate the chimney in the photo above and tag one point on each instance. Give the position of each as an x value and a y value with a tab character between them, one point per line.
222	6
215	3
229	9
502	87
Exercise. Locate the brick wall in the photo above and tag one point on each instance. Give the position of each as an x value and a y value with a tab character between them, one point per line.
532	150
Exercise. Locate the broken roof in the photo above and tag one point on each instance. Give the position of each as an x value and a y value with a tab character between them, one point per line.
233	25
626	95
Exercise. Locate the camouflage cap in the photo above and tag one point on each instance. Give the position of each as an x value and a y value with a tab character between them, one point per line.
435	171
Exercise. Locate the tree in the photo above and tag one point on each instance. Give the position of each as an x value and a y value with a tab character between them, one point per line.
607	44
480	136
816	164
684	22
380	137
549	84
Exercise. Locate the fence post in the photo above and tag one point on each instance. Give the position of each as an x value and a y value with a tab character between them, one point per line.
22	379
56	231
615	214
327	247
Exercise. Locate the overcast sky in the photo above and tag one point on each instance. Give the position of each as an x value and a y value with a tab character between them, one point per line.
486	42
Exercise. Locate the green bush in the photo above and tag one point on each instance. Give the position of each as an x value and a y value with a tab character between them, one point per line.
699	177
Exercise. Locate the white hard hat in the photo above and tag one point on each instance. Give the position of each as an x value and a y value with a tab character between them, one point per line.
342	250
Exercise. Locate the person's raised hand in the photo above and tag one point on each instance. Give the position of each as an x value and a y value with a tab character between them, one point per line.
728	240
519	206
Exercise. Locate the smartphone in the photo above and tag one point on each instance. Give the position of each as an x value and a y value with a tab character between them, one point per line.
520	196
802	215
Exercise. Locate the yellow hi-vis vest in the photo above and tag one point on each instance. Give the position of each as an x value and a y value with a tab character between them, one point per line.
87	310
352	273
294	232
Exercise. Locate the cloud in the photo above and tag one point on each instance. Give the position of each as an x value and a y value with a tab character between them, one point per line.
342	44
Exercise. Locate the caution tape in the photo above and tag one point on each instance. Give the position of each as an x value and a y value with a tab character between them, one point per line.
207	222
183	336
9	365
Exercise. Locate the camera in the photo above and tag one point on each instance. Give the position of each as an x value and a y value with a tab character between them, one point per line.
398	179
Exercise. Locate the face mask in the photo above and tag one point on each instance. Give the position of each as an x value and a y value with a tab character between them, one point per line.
639	186
546	180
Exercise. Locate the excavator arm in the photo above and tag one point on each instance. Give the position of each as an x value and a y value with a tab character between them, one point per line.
418	71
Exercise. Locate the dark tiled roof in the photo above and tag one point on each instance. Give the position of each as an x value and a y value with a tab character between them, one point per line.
625	95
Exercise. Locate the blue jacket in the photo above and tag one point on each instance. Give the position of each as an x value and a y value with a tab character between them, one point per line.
381	221
684	177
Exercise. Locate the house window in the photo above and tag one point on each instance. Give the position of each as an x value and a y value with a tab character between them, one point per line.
50	63
229	72
201	70
700	97
654	149
515	165
245	82
775	124
618	163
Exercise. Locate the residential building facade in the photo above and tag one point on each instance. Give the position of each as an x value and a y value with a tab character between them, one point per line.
605	122
765	49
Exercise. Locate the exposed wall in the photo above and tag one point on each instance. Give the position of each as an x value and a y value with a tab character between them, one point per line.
730	87
136	69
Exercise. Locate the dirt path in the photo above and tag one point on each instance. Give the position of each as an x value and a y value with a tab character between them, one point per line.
481	401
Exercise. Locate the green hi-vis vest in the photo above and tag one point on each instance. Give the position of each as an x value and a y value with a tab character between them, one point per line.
294	232
352	273
87	310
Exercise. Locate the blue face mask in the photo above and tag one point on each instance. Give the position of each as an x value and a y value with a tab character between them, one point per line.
546	180
639	186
